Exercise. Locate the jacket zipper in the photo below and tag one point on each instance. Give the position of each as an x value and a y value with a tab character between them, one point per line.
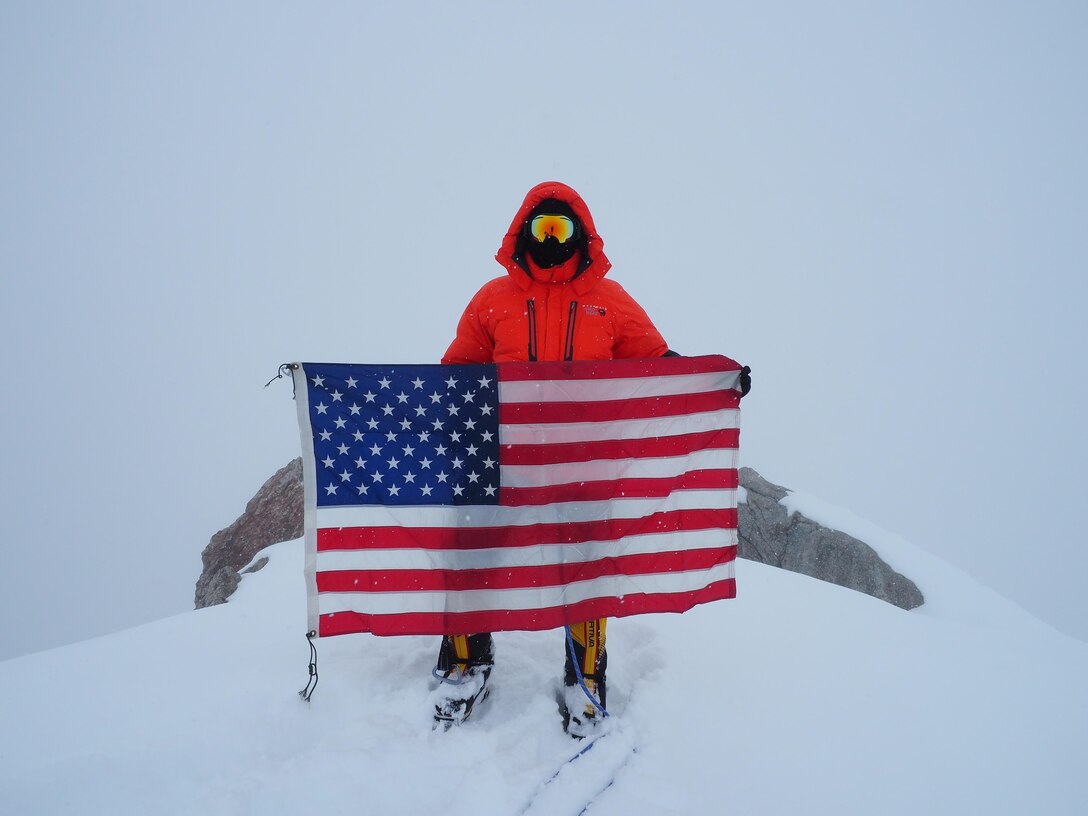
532	329
573	313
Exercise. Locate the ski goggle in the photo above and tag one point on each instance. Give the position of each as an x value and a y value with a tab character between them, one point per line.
559	227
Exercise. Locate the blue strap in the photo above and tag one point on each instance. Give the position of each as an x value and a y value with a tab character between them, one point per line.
578	674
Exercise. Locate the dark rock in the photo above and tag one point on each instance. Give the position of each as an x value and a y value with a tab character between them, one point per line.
257	565
771	535
272	516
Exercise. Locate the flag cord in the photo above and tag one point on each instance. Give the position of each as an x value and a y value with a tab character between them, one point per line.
578	674
311	683
281	372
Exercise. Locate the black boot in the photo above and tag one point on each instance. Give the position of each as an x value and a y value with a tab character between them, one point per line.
463	679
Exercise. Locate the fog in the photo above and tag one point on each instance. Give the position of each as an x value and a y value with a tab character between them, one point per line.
880	208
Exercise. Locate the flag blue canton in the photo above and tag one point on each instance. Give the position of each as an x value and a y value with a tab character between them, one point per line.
404	435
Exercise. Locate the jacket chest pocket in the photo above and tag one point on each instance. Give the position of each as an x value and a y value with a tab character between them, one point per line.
589	332
569	330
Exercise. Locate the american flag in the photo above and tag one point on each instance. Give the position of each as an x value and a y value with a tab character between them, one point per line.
452	499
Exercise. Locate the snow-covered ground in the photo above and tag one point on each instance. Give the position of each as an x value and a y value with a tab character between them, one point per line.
797	697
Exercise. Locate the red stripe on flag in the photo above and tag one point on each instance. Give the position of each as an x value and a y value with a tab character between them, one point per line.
618	488
423	623
443	580
460	538
616	369
646	448
522	413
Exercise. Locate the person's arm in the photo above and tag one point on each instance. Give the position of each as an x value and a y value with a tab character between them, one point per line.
636	335
639	332
472	344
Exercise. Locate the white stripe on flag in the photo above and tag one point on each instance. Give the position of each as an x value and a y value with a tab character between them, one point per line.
478	600
607	469
618	388
558	432
472	515
513	557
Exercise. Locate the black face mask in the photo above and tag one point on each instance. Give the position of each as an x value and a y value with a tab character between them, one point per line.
550	252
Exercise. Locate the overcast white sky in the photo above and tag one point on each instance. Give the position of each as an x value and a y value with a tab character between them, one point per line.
880	207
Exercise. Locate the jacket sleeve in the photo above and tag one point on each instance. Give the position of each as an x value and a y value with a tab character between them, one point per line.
636	335
472	344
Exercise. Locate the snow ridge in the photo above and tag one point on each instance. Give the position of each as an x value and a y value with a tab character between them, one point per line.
798	696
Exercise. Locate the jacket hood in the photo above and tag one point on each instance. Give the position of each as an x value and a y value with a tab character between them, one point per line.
511	254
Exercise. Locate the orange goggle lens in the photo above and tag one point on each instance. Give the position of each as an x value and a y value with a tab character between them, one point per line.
559	227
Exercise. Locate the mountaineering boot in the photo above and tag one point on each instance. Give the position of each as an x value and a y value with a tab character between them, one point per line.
587	658
463	669
582	717
456	698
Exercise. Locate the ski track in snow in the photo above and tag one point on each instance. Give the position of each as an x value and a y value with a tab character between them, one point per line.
581	778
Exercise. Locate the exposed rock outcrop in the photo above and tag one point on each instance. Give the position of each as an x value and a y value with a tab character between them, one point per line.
768	534
272	516
771	535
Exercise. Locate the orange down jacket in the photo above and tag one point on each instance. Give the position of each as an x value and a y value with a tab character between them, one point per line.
568	312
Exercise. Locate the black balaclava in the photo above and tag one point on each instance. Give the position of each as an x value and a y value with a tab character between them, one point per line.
550	252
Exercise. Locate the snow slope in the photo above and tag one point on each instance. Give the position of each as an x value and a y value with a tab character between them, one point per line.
797	697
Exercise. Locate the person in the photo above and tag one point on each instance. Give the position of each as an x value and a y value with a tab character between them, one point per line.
553	303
